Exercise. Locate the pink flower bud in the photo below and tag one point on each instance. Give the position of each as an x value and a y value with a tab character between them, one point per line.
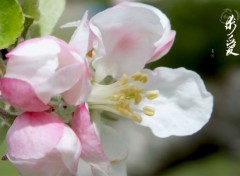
40	144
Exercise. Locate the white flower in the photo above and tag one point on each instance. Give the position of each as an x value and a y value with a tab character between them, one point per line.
120	41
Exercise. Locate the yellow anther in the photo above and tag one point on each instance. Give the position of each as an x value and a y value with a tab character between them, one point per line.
152	94
141	77
137	99
123	80
125	112
148	110
136	117
136	76
144	78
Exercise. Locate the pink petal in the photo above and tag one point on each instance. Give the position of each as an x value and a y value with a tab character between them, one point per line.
129	35
21	95
33	135
92	150
163	46
48	64
165	42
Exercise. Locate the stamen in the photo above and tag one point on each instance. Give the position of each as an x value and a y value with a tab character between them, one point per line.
90	53
121	97
148	110
137	99
152	94
136	76
123	80
141	77
136	117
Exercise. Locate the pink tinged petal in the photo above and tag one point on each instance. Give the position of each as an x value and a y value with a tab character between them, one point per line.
33	60
63	80
79	92
70	149
33	135
41	144
69	72
53	69
129	38
165	42
97	42
184	105
21	95
50	165
92	150
80	38
34	48
163	46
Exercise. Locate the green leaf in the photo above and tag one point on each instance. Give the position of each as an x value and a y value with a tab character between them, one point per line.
11	22
50	11
30	8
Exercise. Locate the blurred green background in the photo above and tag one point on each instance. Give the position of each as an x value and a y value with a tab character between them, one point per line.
200	45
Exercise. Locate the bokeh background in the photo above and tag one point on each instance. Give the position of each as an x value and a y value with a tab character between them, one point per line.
200	45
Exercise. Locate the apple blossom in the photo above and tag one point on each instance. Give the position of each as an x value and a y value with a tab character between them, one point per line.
38	69
119	42
125	34
39	143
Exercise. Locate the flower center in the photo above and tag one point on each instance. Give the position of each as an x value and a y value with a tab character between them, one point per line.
123	96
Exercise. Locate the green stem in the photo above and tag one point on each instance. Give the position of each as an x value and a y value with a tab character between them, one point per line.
6	117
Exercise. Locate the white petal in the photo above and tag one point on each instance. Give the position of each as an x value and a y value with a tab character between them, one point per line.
165	42
118	168
114	146
70	149
61	81
80	38
183	106
33	60
163	18
129	35
71	24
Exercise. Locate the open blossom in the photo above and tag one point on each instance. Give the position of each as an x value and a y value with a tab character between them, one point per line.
40	144
121	41
41	68
125	35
